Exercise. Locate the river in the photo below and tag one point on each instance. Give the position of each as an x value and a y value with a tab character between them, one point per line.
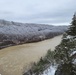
15	59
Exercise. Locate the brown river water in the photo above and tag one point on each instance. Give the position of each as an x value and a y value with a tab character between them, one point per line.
15	59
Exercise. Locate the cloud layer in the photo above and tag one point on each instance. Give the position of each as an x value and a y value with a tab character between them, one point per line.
38	11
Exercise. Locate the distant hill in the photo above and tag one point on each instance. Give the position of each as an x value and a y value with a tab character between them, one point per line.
12	33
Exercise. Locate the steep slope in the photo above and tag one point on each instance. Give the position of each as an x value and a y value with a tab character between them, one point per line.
62	61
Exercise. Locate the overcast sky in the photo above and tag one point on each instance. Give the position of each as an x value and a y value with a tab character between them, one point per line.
38	11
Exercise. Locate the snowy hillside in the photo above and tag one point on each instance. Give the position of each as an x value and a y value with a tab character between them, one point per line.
14	32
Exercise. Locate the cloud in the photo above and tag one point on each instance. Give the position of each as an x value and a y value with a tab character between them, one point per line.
38	11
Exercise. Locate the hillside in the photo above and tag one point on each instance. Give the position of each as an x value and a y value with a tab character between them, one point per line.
61	61
16	33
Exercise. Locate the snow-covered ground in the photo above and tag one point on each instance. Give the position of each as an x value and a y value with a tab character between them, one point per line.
50	71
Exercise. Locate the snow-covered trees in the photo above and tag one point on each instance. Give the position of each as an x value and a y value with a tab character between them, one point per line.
65	53
64	50
72	29
19	33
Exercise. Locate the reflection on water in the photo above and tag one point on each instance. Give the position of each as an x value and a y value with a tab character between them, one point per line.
15	58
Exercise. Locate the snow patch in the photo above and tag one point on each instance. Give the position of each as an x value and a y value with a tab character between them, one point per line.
50	71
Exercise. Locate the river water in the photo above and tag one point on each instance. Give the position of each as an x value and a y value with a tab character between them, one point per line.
14	60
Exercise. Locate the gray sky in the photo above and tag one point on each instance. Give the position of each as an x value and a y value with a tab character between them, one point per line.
55	12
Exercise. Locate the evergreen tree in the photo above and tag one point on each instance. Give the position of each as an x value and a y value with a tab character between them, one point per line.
64	51
72	29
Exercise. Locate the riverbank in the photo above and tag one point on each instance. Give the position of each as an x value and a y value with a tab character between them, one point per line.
14	60
7	43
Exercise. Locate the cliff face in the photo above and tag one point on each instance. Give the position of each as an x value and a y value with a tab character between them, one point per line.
17	33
